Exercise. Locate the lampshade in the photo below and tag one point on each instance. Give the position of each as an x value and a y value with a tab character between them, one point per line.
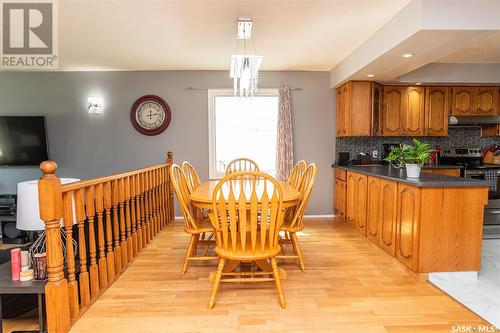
28	213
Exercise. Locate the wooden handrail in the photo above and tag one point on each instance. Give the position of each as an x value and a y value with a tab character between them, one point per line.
111	218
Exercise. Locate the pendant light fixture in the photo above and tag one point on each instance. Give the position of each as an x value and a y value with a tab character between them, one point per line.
245	64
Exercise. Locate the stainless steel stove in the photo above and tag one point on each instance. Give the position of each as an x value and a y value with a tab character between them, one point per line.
471	161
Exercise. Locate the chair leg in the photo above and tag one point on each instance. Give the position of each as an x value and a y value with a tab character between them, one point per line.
189	252
195	245
218	276
295	242
278	282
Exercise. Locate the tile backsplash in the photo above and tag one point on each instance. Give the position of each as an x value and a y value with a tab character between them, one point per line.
457	137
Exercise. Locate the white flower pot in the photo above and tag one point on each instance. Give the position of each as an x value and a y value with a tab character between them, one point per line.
412	170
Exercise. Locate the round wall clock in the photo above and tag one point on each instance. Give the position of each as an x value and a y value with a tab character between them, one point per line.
150	115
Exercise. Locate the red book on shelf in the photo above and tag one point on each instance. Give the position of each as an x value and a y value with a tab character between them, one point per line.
15	263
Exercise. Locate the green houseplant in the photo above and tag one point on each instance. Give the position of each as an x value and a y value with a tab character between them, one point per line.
410	156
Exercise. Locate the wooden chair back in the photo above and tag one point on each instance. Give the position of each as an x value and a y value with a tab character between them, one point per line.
193	181
181	188
241	164
306	186
296	174
248	212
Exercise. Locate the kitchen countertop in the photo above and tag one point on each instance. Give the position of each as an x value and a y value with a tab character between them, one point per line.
425	180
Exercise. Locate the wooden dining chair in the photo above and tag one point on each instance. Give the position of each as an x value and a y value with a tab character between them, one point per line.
294	221
194	225
193	180
247	216
241	164
297	173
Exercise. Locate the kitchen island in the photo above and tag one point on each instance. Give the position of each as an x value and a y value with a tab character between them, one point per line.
433	223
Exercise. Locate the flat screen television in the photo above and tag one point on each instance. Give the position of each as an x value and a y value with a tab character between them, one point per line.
23	140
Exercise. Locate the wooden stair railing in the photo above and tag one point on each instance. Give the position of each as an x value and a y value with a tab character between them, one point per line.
114	218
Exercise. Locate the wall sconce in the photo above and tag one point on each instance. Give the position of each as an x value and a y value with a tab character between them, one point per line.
95	105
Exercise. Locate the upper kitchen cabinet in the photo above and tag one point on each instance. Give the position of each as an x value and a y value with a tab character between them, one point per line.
358	104
437	107
403	112
474	101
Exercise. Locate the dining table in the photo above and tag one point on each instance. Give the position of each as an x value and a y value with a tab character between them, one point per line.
201	197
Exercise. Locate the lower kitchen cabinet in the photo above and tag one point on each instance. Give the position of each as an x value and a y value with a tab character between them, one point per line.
388	216
407	225
447	172
373	209
361	196
350	198
339	198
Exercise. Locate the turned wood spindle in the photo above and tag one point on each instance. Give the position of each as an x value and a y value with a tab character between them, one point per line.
123	234
116	227
133	215
99	208
93	269
74	306
82	248
109	233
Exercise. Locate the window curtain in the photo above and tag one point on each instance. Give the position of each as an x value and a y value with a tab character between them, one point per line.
284	149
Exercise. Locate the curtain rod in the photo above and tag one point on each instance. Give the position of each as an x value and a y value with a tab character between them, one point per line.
207	88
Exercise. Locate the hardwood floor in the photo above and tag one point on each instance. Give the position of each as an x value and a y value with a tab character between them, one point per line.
350	286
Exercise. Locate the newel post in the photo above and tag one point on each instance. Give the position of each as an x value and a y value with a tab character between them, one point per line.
51	212
170	161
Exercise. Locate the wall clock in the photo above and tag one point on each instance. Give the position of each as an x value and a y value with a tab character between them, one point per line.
150	115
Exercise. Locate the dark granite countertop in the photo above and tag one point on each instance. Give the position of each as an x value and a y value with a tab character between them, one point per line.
425	180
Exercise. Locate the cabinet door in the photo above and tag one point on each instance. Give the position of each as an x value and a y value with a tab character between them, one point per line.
342	198
335	197
437	107
377	108
412	111
340	115
487	101
388	216
391	116
407	225
361	202
491	130
373	209
463	101
351	198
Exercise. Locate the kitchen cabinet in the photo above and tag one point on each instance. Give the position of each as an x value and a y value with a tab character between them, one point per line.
491	130
356	106
388	216
437	106
373	209
403	112
407	225
340	187
351	198
361	201
447	172
474	101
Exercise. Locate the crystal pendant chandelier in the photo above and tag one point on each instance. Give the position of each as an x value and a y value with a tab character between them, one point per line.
245	66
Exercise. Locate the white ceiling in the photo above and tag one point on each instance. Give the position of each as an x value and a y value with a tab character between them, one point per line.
200	34
486	50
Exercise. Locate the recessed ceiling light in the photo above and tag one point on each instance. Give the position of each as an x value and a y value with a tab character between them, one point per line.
407	55
418	83
371	75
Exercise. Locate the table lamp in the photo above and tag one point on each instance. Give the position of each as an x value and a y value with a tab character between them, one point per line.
28	214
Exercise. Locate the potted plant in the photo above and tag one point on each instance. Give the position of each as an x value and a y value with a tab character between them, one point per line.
411	156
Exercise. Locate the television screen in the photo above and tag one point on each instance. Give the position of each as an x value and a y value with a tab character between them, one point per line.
23	140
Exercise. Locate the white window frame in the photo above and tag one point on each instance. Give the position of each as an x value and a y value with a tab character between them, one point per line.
212	93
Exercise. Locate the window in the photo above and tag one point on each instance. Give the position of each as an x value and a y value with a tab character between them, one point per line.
242	127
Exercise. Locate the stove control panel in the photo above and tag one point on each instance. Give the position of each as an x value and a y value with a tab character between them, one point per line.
461	152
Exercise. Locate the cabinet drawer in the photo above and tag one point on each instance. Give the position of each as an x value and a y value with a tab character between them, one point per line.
340	174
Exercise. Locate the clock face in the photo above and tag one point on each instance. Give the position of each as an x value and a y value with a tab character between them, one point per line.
150	115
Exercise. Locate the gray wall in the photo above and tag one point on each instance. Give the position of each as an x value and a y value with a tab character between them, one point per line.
89	146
